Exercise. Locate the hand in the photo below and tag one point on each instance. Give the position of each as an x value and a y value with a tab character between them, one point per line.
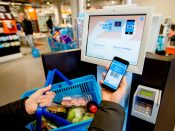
38	98
171	33
117	95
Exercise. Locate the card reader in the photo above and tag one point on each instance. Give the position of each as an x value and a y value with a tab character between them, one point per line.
146	103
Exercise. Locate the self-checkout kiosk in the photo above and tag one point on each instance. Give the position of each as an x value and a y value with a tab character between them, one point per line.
106	34
122	32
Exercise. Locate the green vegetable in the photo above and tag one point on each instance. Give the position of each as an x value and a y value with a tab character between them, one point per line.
75	114
87	116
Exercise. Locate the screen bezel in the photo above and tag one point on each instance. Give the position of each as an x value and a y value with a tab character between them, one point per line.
148	11
121	61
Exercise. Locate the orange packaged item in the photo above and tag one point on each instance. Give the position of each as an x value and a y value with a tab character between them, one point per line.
170	50
56	34
9	26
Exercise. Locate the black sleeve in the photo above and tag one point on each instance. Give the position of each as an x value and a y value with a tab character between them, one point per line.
13	116
109	117
47	23
31	27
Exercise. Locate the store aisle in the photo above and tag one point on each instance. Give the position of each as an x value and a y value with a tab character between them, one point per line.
22	74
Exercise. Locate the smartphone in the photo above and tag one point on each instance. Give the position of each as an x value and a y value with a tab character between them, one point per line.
130	25
115	74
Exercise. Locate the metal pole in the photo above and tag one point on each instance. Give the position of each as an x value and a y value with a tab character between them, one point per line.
129	2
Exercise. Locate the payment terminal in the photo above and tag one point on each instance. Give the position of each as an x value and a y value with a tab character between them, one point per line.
146	103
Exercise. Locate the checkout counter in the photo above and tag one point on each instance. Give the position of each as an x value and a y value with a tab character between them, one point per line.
149	102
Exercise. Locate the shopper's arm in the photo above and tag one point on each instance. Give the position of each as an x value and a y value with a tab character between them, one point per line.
19	113
110	117
14	116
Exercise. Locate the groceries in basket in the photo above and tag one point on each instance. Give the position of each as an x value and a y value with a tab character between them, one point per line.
61	40
58	110
47	124
73	101
72	108
65	39
56	36
62	36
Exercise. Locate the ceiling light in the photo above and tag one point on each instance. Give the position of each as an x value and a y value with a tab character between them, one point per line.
88	4
12	4
48	2
113	2
30	9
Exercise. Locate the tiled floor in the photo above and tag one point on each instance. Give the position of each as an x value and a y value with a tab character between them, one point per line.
22	74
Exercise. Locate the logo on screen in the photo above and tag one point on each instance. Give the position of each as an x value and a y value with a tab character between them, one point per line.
118	23
141	18
107	26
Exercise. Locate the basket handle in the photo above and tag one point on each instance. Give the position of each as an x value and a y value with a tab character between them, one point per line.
49	80
51	74
39	118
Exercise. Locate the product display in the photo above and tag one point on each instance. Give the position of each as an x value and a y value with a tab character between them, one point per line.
1	27
9	40
2	16
42	23
8	44
9	26
9	37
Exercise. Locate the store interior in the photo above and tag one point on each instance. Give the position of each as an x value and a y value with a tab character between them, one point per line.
25	59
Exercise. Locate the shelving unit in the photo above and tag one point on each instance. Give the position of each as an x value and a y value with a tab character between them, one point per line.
42	24
9	44
9	40
35	25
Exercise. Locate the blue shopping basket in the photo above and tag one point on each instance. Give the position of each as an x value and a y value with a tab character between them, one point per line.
85	86
57	46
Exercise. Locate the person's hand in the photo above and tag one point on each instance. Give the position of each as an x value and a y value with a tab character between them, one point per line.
38	98
171	33
117	95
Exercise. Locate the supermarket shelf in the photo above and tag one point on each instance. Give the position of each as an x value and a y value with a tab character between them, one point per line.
9	50
8	41
10	57
3	34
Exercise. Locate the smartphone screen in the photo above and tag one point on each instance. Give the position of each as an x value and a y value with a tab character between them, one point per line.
130	27
115	74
